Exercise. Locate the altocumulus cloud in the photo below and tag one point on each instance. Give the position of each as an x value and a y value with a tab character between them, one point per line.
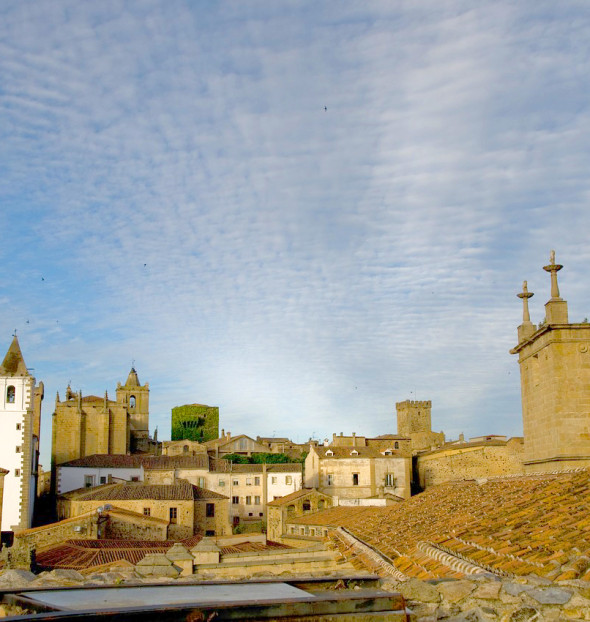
300	213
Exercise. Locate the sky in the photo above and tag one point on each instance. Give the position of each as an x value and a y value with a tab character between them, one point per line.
299	212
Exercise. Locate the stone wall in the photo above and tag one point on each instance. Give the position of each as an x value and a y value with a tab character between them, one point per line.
120	527
83	527
471	461
217	525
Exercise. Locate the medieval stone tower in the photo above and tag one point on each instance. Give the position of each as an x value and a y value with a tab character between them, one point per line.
137	400
414	422
554	360
20	421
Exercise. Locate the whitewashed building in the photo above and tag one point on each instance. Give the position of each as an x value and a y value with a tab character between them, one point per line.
20	420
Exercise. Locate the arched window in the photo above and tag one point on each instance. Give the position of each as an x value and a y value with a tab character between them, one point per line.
290	510
185	449
132	401
10	394
396	445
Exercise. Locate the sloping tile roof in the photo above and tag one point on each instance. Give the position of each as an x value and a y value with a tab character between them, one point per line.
303	492
516	525
87	555
181	490
113	461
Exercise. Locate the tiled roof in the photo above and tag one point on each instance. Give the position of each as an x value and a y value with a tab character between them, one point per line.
303	492
181	490
114	461
332	517
515	525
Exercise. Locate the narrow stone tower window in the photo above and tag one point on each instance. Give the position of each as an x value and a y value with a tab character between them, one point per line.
132	401
10	394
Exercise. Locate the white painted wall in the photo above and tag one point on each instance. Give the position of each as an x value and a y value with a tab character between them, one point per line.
281	484
72	478
12	415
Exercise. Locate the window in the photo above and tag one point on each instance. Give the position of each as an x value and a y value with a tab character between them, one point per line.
312	533
306	506
103	479
185	449
396	445
18	448
290	510
235	500
210	532
132	401
221	482
89	481
273	479
355	479
248	481
330	477
18	426
256	481
256	500
389	479
173	515
210	510
260	514
321	504
293	530
248	500
236	482
250	514
135	478
17	472
201	482
288	479
147	512
10	394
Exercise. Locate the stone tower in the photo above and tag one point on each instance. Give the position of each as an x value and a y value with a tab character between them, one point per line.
414	422
137	400
20	420
554	360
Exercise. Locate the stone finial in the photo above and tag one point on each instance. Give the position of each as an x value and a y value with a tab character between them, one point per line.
525	295
553	268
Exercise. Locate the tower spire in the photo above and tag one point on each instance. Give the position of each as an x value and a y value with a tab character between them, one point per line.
555	307
525	295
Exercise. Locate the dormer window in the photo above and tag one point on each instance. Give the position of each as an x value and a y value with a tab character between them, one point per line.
10	395
354	452
387	452
329	452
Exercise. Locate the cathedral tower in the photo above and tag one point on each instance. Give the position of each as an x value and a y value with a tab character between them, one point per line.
554	360
136	399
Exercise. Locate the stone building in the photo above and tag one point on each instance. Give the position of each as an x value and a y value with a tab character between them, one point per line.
20	423
414	422
187	509
489	456
299	503
241	444
195	422
84	426
359	472
554	361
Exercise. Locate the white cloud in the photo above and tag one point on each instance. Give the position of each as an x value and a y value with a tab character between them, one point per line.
171	173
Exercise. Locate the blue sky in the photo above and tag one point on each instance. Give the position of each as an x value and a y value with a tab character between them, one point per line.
174	192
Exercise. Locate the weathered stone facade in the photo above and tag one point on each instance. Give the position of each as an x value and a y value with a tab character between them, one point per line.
470	460
554	360
414	422
84	426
